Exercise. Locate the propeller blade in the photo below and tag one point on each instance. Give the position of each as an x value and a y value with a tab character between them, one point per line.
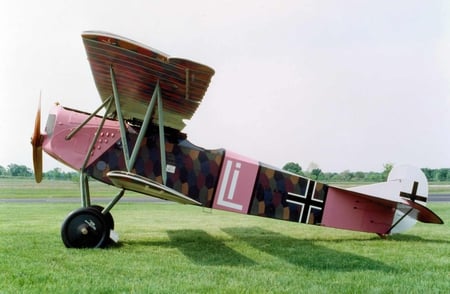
37	164
36	142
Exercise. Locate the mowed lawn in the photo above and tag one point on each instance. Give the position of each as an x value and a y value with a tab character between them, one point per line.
172	248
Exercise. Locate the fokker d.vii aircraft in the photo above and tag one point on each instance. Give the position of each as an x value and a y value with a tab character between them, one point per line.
137	145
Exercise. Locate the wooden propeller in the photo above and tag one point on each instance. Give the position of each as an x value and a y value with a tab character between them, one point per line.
36	142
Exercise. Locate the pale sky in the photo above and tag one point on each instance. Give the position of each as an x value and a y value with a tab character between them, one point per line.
348	85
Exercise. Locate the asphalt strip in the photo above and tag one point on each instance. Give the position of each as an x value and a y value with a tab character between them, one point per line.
431	198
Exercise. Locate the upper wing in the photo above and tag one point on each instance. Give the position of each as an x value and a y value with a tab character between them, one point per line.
138	69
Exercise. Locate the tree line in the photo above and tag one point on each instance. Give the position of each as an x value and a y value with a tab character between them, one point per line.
433	175
17	170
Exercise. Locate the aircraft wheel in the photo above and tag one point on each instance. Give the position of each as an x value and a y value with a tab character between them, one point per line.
85	228
109	218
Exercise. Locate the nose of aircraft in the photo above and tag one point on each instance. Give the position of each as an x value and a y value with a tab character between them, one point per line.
36	143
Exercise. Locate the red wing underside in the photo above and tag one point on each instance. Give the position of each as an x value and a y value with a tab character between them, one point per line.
138	69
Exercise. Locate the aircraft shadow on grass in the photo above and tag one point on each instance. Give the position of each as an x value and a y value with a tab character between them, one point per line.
204	249
305	253
199	247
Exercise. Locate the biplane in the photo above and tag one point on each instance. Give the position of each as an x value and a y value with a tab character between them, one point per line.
134	141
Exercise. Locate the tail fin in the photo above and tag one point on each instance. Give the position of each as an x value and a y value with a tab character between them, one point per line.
414	184
414	187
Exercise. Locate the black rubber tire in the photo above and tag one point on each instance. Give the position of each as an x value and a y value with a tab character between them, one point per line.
85	228
109	218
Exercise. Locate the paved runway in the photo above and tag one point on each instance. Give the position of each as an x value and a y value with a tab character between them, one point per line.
77	200
432	198
439	198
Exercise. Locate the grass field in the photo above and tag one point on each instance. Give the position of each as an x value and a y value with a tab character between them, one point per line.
171	248
26	188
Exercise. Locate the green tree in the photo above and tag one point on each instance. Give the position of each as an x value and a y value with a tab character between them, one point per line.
55	174
443	174
327	176
3	171
373	177
387	167
58	174
16	170
346	176
316	173
293	168
429	173
359	176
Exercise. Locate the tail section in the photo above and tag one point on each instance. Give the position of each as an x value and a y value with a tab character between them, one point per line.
414	187
408	175
408	186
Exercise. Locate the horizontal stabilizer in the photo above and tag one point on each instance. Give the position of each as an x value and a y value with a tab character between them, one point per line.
385	190
139	184
425	214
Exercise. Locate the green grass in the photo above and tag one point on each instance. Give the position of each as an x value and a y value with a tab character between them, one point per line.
171	248
442	188
26	188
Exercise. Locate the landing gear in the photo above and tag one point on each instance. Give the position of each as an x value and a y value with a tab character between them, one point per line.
108	216
87	227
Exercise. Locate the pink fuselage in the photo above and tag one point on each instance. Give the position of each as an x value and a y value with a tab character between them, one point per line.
215	178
